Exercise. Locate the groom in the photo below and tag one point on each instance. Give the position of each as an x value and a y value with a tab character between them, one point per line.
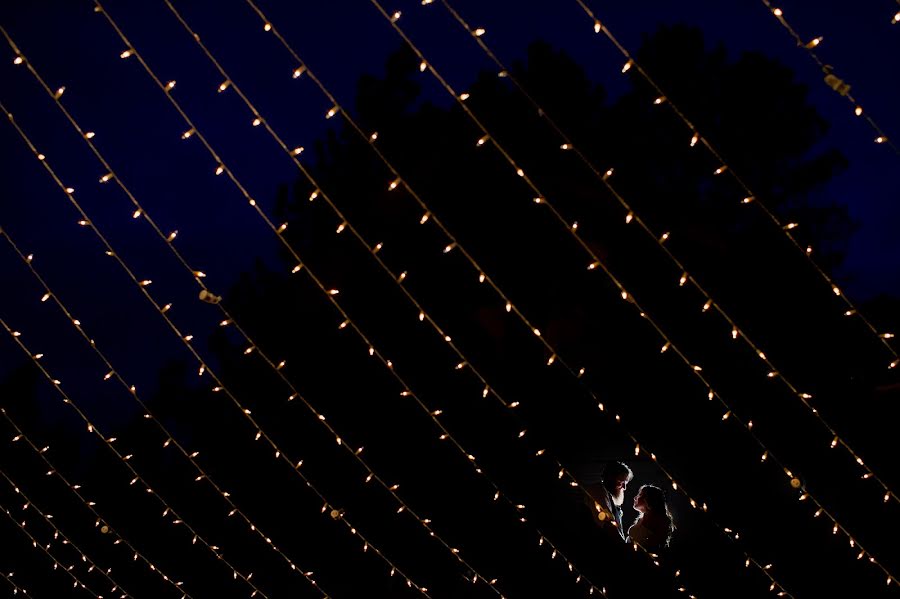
609	495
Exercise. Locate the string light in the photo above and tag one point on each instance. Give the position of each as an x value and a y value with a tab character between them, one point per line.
330	292
696	368
387	362
93	429
163	310
833	81
57	566
750	196
58	534
481	276
15	587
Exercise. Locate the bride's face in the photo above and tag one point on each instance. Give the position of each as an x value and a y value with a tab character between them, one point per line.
639	503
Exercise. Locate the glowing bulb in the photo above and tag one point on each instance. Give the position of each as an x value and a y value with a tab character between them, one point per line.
664	237
880	139
629	217
790	226
187	134
297	151
402	277
70	190
299	71
106	177
331	112
814	42
482	140
257	122
720	170
396	16
424	218
896	19
422	66
627	66
126	53
90	135
598	26
374	136
220	169
694	139
449	247
479	32
170	85
313	195
608	174
267	27
59	92
683	280
136	213
835	289
464	96
18	60
777	12
224	85
747	200
659	100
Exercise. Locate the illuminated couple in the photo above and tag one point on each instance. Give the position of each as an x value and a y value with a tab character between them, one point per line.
653	527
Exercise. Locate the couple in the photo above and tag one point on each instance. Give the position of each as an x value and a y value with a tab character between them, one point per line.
653	527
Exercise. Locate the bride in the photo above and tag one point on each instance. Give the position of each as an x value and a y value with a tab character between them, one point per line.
654	526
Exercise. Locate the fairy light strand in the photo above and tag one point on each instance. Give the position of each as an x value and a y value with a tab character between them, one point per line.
597	264
837	84
445	434
57	565
99	521
304	69
109	442
16	588
686	278
850	310
169	439
185	339
338	109
404	507
220	387
58	534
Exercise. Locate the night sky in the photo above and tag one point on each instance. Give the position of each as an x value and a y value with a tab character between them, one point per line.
139	133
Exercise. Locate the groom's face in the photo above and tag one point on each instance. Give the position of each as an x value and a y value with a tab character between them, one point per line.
618	491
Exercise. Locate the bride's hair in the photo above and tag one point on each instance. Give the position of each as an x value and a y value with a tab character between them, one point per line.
655	499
